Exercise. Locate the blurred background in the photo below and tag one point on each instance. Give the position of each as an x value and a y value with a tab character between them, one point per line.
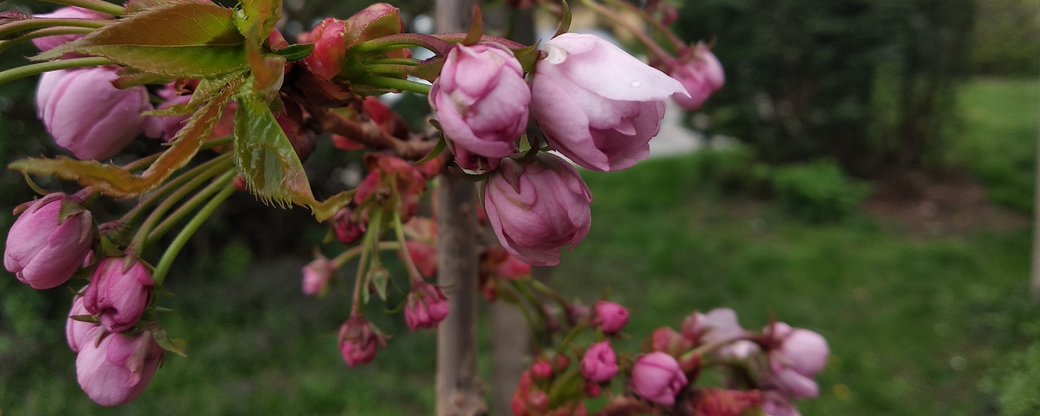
868	172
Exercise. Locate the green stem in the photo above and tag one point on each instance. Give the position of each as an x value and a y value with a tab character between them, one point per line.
402	250
401	41
195	178
396	84
95	5
41	33
37	23
182	238
177	182
182	211
371	239
650	44
395	61
355	251
39	68
389	69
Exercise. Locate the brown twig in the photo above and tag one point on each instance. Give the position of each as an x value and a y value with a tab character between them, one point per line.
368	133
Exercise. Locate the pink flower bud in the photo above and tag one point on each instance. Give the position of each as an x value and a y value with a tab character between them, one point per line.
329	48
541	370
719	402
512	268
481	101
665	339
426	306
795	357
610	317
599	364
78	333
597	104
87	115
657	378
424	256
538	208
166	128
718	325
701	74
43	249
775	404
116	369
316	276
49	42
358	342
347	227
118	294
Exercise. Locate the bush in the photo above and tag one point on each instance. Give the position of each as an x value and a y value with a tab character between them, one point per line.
817	192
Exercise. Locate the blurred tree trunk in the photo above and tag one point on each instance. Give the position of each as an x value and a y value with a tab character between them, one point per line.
458	390
510	337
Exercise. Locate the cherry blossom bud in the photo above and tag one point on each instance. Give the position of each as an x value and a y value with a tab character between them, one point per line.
599	364
667	340
424	256
316	276
512	268
166	127
329	48
775	404
78	333
481	101
795	357
718	325
426	306
610	317
44	247
118	294
597	104
87	115
358	342
49	42
657	378
538	208
541	370
116	369
701	74
719	402
347	227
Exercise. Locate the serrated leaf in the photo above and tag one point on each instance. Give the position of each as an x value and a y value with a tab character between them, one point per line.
264	155
261	14
118	182
190	40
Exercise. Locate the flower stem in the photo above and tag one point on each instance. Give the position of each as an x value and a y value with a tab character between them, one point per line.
355	251
389	69
402	250
95	5
39	68
36	23
371	239
403	40
189	230
677	43
651	45
396	84
183	210
49	31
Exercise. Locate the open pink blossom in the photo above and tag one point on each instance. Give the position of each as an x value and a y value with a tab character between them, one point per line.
116	369
118	294
43	249
599	364
658	378
597	104
538	208
481	101
87	115
701	74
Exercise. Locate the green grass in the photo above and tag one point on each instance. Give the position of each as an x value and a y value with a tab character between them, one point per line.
997	137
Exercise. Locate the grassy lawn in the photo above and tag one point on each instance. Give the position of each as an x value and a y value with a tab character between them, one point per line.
918	324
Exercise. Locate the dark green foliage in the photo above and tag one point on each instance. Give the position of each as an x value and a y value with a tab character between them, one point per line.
817	192
865	82
1007	38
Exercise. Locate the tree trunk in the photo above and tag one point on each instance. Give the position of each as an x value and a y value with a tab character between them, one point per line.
457	385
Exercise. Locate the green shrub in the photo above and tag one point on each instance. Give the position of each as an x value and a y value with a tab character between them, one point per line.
817	192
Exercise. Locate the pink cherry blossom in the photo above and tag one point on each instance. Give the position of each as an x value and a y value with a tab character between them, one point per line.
43	249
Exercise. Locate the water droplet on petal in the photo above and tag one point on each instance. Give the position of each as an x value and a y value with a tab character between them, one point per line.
636	83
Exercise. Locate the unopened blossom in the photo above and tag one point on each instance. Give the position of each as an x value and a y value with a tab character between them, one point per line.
665	339
541	370
610	317
719	402
47	43
347	226
44	249
87	115
358	342
424	256
718	325
658	378
117	369
316	276
597	104
481	101
795	356
119	292
537	208
775	404
425	307
599	364
78	333
701	74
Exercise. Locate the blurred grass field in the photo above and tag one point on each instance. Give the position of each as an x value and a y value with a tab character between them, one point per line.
919	323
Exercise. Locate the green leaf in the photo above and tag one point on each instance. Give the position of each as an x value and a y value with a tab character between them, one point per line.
190	40
296	52
119	182
379	278
176	346
264	155
259	14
